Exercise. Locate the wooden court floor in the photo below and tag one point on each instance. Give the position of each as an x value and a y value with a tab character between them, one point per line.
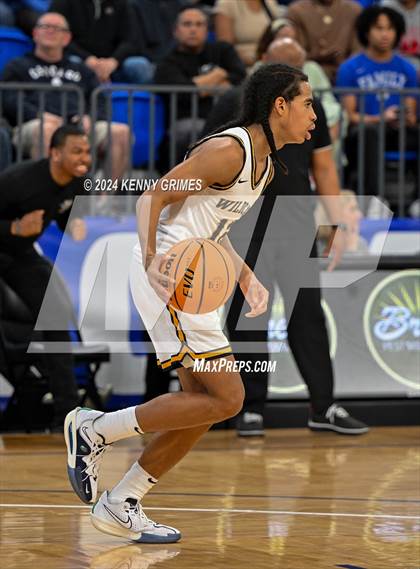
295	500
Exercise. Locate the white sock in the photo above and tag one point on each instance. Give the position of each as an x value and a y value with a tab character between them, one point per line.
118	425
135	484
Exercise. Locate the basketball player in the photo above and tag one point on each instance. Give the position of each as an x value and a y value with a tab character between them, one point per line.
234	164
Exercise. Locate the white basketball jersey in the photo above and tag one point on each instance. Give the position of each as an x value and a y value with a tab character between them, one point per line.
211	212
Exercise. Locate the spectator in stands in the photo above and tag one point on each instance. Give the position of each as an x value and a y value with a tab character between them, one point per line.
32	195
48	65
326	29
352	215
410	42
283	28
195	61
104	37
241	23
379	30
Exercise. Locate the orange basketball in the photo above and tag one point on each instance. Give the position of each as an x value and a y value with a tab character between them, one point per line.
204	275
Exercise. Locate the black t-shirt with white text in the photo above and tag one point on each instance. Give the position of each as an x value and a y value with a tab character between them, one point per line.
32	69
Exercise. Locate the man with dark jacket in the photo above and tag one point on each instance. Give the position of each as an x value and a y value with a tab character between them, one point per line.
32	194
294	222
48	65
104	37
196	62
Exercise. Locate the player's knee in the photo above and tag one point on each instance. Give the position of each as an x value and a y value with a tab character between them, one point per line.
232	404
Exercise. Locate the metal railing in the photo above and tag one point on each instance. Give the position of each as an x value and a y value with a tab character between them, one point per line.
19	90
382	95
102	106
156	93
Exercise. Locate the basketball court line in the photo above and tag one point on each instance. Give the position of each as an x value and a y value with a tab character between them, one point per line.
221	495
225	511
6	453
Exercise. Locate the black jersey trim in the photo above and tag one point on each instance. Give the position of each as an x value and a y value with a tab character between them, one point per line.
217	186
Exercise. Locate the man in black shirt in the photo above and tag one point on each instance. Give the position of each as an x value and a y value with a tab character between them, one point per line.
307	333
196	62
32	194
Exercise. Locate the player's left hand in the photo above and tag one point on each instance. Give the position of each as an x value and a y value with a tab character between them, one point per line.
78	229
338	247
255	294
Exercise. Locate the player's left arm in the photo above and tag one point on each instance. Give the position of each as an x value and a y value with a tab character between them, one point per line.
254	292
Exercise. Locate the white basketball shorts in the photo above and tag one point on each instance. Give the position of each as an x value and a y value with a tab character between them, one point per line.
178	338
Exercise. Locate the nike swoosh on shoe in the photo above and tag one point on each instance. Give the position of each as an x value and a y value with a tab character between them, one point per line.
84	431
128	523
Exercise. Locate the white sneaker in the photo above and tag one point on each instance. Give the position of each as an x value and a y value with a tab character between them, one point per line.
127	519
131	557
85	449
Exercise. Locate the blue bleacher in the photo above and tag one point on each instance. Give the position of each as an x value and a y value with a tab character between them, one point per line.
394	156
13	43
141	105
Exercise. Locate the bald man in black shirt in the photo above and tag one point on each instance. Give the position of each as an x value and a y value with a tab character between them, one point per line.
32	194
306	329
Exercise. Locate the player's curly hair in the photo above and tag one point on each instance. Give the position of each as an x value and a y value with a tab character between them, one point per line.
261	90
368	17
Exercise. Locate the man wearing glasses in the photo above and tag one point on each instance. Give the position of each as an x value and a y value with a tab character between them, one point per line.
42	116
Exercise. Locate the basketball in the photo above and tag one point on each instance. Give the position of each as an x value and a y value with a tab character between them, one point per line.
204	275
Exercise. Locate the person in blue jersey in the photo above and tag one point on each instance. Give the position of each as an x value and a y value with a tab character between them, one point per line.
234	165
379	30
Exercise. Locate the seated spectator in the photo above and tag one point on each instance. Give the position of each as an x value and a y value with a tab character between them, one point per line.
283	28
48	65
379	30
241	23
194	61
410	42
325	28
104	37
352	215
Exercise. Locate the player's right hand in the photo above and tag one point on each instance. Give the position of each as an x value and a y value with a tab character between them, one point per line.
162	284
30	224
